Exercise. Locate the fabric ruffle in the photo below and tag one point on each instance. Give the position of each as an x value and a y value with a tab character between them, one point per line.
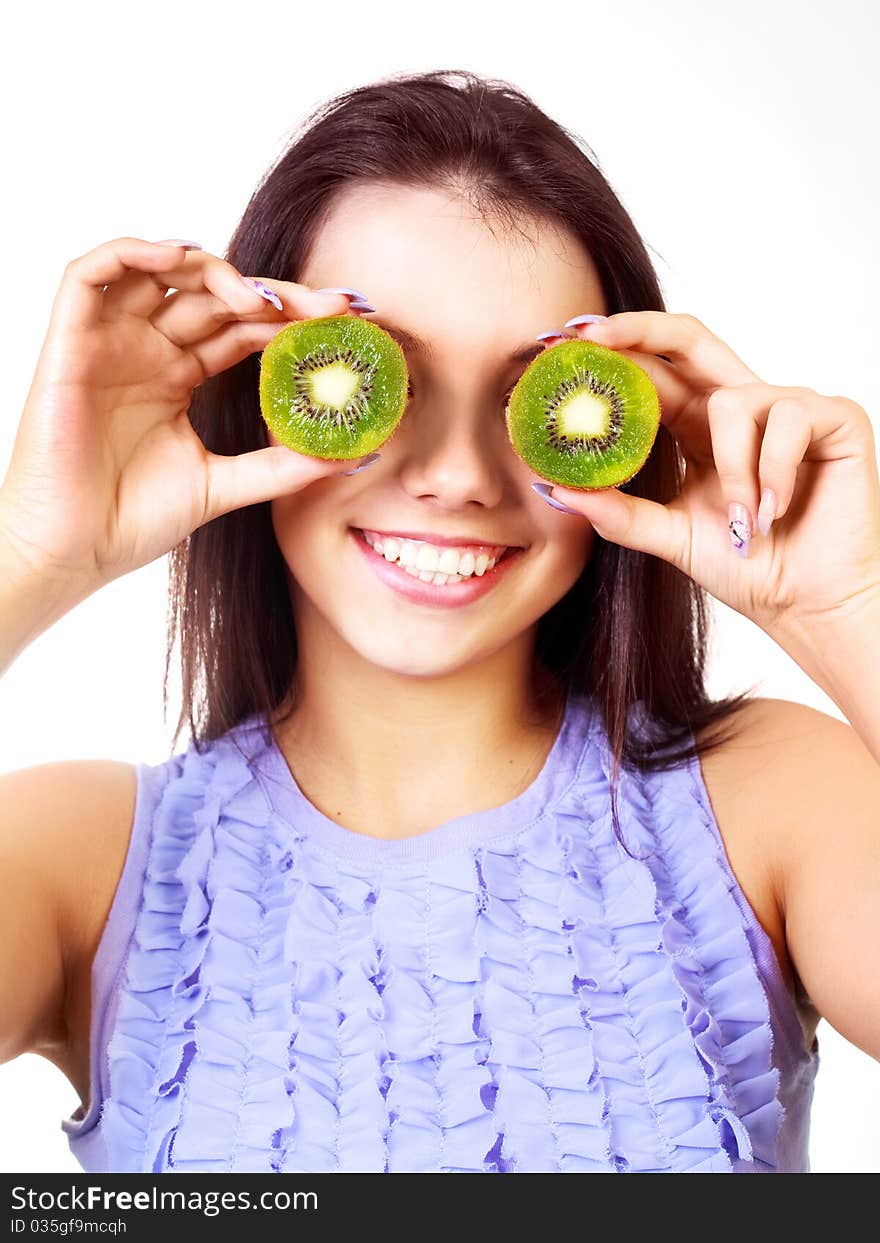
537	1001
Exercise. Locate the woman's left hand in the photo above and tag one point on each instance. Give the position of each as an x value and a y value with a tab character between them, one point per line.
740	436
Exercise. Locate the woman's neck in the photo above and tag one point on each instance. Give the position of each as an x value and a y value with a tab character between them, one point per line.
398	759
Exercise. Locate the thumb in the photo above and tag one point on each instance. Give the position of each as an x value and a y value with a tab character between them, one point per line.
631	521
263	474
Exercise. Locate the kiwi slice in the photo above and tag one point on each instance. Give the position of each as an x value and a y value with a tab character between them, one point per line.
583	415
334	387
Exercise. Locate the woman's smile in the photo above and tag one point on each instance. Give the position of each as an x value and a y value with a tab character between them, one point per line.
413	568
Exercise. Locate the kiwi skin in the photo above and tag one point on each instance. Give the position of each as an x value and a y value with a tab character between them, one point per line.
339	435
584	469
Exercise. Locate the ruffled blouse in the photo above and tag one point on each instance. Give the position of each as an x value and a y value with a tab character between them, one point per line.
508	992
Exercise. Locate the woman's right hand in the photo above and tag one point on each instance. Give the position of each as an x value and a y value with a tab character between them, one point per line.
107	473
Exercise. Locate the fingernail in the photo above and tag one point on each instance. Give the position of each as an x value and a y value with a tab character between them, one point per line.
739	527
368	461
352	293
585	319
264	291
360	306
543	490
766	510
546	336
179	241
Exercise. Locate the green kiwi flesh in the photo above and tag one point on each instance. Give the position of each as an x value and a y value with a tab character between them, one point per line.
583	415
334	387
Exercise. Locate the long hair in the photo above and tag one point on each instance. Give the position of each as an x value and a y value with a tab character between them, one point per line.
632	631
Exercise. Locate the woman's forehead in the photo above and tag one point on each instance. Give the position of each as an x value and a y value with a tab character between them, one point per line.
405	245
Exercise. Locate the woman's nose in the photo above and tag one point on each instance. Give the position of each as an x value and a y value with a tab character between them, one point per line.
456	459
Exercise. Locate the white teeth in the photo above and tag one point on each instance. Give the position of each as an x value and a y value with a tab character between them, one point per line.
429	563
428	558
449	560
391	549
408	554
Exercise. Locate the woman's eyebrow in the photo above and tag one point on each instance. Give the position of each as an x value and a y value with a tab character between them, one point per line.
416	345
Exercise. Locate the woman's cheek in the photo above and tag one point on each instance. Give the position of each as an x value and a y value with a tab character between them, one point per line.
561	559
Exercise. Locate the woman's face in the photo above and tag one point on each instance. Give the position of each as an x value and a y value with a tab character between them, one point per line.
475	293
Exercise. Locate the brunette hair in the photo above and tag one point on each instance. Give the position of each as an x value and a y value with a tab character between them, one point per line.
633	627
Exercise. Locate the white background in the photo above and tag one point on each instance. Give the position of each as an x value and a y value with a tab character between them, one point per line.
741	138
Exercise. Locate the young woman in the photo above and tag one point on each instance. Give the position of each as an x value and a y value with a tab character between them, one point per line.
452	875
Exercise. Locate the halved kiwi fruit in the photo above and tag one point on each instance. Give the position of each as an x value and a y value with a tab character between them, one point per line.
334	387
583	415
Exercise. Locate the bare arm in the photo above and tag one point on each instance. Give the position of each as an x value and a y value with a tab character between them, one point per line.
64	832
826	856
30	601
107	474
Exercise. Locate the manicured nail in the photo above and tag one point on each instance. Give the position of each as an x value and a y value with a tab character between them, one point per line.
585	319
368	461
179	241
355	305
739	527
264	291
352	293
766	510
546	336
543	490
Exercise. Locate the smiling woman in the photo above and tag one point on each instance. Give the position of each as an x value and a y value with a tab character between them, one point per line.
437	883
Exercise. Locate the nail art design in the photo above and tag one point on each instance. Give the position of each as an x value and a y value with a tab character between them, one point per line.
546	336
368	461
356	305
739	527
265	292
543	490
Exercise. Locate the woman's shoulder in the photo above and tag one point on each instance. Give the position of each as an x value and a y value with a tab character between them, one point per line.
83	833
72	820
763	779
66	831
809	816
761	782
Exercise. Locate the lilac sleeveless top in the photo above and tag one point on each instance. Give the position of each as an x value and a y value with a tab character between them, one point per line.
507	992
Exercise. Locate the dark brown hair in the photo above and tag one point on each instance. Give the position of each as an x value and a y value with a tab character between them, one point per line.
633	627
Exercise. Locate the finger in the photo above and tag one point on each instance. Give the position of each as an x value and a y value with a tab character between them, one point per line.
139	293
231	343
803	425
787	436
144	293
702	357
188	318
760	435
632	521
79	302
200	271
735	428
208	272
262	475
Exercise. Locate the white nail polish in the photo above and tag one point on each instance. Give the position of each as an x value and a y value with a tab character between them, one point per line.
766	510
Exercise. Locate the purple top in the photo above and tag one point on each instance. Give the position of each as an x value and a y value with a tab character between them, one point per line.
507	992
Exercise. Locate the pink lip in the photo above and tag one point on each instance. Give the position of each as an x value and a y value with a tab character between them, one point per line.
451	596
